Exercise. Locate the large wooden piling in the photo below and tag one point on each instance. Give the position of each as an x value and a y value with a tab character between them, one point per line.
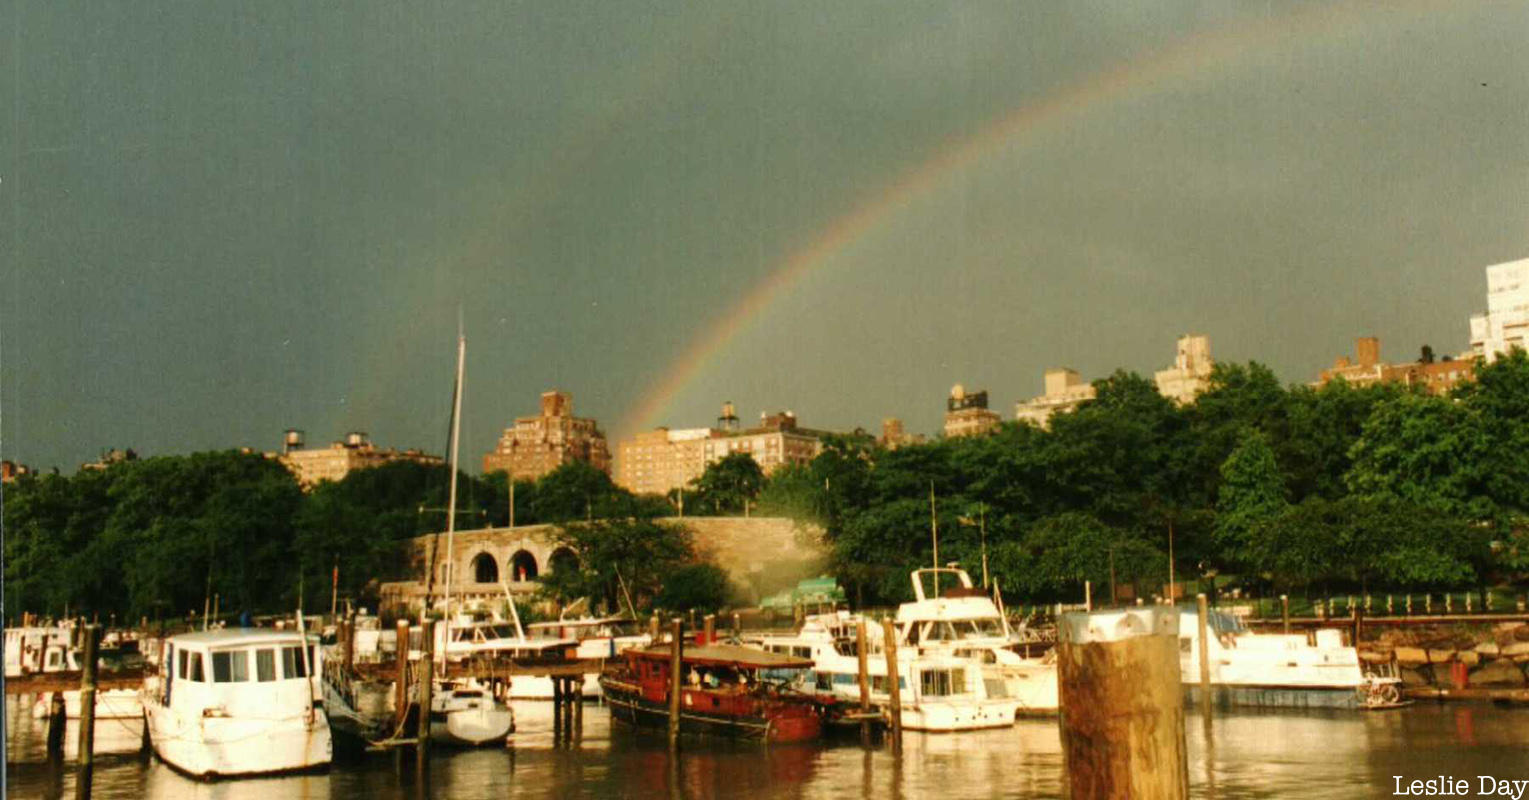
578	707
426	684
1202	606
86	757
894	692
737	628
710	625
401	695
1284	610
864	678
1122	711
676	663
57	721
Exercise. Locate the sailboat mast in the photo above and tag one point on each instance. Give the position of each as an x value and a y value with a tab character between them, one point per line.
934	533
451	503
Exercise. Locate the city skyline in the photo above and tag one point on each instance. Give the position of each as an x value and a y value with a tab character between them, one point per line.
233	222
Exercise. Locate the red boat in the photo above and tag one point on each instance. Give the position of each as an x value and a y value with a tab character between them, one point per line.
725	690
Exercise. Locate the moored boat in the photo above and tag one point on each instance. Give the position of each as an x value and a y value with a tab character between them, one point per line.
1271	669
237	702
723	693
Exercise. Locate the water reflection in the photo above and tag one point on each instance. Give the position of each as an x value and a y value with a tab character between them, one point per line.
1239	755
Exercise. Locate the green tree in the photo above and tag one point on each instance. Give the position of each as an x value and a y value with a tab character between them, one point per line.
1252	493
703	587
727	485
619	556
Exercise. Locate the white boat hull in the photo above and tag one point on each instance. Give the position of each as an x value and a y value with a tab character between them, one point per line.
473	727
110	704
941	717
539	687
212	747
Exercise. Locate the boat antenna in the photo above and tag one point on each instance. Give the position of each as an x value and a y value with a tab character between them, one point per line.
934	533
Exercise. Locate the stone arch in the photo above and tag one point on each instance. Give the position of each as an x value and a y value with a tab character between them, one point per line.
562	559
523	566
484	569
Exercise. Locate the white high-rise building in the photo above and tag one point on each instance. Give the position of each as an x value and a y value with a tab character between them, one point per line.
1506	320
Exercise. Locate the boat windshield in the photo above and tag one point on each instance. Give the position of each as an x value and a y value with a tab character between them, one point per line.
956	630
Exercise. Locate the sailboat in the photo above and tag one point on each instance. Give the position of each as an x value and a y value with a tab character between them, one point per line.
461	712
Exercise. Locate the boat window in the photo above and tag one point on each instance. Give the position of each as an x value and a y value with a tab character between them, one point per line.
825	681
194	670
996	688
292	663
941	683
982	628
180	668
265	664
230	666
879	683
802	652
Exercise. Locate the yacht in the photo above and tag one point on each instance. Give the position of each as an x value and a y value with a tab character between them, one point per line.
238	702
1272	669
938	691
962	621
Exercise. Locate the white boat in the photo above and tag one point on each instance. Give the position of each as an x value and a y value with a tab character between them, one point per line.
595	638
964	622
493	639
1272	669
468	715
110	704
238	702
37	649
937	691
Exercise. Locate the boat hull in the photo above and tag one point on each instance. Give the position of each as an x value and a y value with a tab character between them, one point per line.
219	747
539	687
110	704
472	727
1346	697
627	704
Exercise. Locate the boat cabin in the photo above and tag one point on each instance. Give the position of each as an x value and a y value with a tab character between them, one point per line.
238	672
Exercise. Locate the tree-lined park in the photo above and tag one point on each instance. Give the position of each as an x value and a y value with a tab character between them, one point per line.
1255	486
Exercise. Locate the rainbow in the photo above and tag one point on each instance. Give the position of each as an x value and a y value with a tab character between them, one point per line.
1128	80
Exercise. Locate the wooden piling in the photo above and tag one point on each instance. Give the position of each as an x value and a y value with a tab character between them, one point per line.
1284	611
86	757
578	707
350	641
557	709
1202	605
710	622
1122	708
57	720
894	692
401	695
426	685
653	628
676	662
864	680
1358	623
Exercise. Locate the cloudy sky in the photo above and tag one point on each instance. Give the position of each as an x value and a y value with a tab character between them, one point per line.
222	220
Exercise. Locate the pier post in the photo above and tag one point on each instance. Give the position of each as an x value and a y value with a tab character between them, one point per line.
1202	606
895	707
57	720
865	682
1122	708
737	628
653	628
401	696
426	685
1284	611
710	623
86	757
577	684
350	642
559	710
1088	595
1358	625
676	663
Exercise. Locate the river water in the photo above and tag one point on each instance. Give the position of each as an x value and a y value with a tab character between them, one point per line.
1239	755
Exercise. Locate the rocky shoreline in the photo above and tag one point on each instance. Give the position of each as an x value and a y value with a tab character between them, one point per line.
1455	656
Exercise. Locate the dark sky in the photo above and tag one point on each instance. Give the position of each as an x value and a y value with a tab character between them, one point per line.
222	220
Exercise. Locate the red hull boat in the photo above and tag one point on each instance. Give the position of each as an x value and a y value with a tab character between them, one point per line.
726	691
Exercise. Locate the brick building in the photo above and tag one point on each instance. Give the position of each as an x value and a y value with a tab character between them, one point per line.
661	460
967	414
537	445
1367	368
1190	373
893	436
1065	391
334	462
